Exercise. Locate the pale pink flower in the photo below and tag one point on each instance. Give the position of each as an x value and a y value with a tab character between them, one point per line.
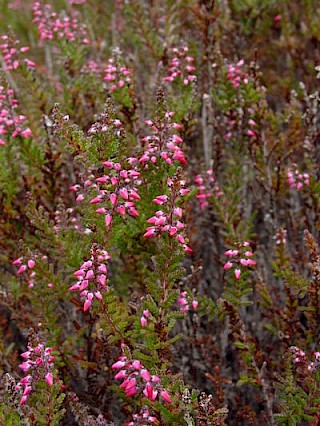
237	273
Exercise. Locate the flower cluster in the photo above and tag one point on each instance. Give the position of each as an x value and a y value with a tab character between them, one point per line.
50	24
238	258
26	266
119	190
82	190
207	188
314	365
26	269
11	124
144	317
232	122
164	143
16	4
301	360
92	277
236	75
104	124
38	363
142	418
181	65
168	220
250	132
137	378
280	237
64	219
92	67
184	302
116	76
10	51
297	180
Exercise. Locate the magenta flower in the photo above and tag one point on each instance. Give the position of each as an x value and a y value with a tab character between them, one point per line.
116	192
49	379
166	396
236	75
26	268
136	379
184	301
92	277
181	66
116	76
237	273
207	188
144	318
163	144
168	220
142	418
240	257
296	179
12	124
12	52
38	363
50	25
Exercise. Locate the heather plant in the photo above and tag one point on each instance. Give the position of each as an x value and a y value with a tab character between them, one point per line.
159	228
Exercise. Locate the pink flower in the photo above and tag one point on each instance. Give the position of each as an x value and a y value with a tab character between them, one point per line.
87	305
118	364
50	24
49	378
38	364
124	193
31	263
151	232
231	253
277	19
143	321
179	66
166	396
136	364
136	377
241	257
165	220
23	400
228	265
131	391
22	269
108	220
121	375
161	199
92	277
150	393
237	273
96	200
80	198
145	375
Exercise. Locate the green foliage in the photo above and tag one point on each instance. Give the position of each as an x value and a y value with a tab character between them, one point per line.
46	404
246	117
298	396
